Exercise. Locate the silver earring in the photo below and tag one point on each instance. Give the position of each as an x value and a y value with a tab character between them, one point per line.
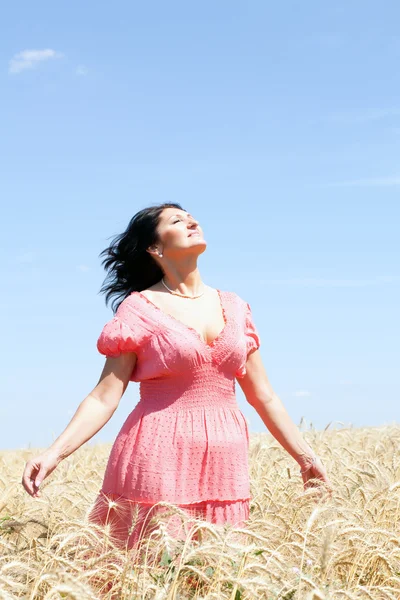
159	253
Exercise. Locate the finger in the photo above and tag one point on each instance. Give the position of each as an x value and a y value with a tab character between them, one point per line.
35	488
27	480
32	485
29	486
40	476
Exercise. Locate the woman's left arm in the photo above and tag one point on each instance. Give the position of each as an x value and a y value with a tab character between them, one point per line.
259	394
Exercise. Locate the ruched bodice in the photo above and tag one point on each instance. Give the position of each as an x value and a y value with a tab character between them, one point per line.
204	386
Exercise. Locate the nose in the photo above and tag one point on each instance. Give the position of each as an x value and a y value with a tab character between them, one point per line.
194	223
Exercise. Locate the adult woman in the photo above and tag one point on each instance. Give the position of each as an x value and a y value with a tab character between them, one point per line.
186	441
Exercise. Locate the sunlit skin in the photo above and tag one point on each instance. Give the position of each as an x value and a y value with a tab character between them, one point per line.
181	241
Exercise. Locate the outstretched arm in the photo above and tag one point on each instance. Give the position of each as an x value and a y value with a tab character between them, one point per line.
259	393
91	415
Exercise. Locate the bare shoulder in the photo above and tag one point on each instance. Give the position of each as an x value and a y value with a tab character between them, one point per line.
152	290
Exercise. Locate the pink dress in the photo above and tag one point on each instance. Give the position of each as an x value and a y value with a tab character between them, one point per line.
186	441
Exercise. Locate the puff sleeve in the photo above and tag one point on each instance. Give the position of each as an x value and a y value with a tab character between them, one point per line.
252	339
125	332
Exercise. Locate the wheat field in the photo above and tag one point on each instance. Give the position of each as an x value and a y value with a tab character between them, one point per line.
297	544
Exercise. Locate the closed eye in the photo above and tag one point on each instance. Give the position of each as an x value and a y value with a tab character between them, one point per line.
177	221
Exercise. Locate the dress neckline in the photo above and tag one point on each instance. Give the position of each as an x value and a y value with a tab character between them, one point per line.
187	327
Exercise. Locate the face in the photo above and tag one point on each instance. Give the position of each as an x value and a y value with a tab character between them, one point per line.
179	232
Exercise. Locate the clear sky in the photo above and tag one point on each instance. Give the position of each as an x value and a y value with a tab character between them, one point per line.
276	124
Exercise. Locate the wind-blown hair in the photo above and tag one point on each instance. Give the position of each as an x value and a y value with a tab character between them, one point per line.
130	268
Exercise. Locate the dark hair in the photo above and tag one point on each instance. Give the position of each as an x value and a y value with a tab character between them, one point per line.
129	267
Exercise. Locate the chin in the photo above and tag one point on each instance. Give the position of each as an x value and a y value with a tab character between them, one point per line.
198	248
202	248
198	238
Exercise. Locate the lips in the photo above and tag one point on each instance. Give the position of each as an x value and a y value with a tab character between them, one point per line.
194	233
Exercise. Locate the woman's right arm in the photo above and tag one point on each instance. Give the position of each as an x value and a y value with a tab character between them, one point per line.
91	415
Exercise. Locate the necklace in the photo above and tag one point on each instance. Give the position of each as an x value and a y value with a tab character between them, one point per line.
178	294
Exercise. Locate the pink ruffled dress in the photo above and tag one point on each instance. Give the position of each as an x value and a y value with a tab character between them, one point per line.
186	441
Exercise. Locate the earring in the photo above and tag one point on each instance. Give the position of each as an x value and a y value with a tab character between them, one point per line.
159	253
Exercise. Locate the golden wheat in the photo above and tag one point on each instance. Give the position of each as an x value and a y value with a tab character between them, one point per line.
296	546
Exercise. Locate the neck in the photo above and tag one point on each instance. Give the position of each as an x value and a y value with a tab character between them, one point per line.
185	279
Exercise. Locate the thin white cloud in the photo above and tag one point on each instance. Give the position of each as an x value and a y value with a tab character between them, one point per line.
83	268
371	182
322	282
29	59
301	393
81	70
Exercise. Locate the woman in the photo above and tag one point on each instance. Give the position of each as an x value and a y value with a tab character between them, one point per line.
186	441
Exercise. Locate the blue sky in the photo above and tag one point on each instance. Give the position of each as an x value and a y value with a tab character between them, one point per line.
277	125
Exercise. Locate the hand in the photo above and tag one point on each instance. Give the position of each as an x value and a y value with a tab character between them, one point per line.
314	473
37	469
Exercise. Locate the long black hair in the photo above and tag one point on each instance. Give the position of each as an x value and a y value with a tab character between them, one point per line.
129	267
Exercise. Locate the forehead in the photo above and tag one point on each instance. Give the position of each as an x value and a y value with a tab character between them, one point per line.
167	213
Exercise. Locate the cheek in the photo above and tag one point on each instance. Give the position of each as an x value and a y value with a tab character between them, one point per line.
174	236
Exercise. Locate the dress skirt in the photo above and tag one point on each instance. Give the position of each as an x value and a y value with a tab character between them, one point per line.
129	522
